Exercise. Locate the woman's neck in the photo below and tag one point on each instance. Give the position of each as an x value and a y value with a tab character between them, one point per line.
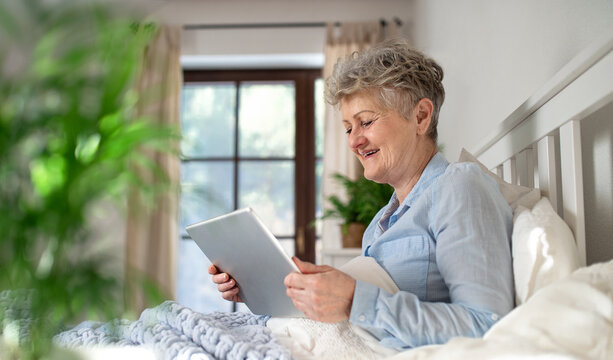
404	188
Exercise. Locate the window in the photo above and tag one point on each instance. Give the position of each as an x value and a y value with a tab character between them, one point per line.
249	139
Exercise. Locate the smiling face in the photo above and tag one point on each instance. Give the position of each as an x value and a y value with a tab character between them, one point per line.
392	149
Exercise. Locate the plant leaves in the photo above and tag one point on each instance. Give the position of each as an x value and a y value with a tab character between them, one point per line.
365	199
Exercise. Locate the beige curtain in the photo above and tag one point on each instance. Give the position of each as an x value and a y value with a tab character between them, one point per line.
152	231
341	40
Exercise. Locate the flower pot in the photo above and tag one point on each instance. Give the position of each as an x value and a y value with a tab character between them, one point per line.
352	237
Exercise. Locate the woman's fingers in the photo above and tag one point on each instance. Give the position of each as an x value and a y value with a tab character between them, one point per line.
306	267
220	278
231	295
213	269
225	286
303	280
322	293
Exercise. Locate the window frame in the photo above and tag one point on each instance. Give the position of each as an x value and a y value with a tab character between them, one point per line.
304	156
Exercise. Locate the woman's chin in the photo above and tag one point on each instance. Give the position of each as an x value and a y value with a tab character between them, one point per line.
372	176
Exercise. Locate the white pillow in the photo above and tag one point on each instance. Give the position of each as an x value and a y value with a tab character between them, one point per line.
543	245
544	249
514	194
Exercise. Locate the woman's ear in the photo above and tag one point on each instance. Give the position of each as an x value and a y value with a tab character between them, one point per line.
423	115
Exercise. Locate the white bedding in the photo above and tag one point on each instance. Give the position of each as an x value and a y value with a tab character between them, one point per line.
569	319
311	340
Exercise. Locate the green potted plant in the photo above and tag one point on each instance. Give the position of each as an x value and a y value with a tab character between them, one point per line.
69	138
364	199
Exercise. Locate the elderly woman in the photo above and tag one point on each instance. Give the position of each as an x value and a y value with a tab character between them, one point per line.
444	237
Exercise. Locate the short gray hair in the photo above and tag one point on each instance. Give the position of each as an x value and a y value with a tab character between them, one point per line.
393	72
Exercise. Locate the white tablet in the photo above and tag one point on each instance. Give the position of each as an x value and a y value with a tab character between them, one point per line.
239	244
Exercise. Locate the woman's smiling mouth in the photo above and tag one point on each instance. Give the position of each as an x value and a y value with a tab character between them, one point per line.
369	153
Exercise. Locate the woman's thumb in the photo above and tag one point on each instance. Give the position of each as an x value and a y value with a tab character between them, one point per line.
306	267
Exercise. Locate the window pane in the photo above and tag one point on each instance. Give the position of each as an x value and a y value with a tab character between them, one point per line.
319	117
267	119
268	188
194	286
208	119
206	191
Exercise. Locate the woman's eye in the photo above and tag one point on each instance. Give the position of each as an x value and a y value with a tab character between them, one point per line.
367	123
348	131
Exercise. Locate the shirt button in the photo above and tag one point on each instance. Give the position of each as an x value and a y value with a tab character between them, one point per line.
494	317
362	318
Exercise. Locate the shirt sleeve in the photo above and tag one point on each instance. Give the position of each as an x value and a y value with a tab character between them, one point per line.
471	225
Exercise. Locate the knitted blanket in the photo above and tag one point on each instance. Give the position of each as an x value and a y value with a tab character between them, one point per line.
173	331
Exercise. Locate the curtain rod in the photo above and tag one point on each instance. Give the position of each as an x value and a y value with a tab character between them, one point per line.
271	25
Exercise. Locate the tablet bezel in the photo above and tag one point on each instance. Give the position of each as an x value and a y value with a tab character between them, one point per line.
239	244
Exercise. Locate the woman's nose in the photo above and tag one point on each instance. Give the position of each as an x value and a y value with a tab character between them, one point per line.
356	139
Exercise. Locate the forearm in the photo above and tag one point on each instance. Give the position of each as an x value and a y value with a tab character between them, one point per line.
401	320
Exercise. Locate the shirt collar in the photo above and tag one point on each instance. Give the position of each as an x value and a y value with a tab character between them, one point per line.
436	166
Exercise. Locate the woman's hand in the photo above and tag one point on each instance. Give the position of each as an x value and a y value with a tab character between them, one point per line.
226	285
322	293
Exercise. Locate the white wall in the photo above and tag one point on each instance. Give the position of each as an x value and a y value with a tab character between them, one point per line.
496	53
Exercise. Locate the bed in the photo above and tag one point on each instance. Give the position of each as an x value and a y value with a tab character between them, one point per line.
565	308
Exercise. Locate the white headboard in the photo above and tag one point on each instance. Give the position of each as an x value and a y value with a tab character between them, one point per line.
539	144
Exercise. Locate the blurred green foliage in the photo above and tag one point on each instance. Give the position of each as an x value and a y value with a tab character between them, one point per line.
364	199
69	138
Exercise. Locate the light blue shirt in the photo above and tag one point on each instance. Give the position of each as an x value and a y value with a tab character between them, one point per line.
447	248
